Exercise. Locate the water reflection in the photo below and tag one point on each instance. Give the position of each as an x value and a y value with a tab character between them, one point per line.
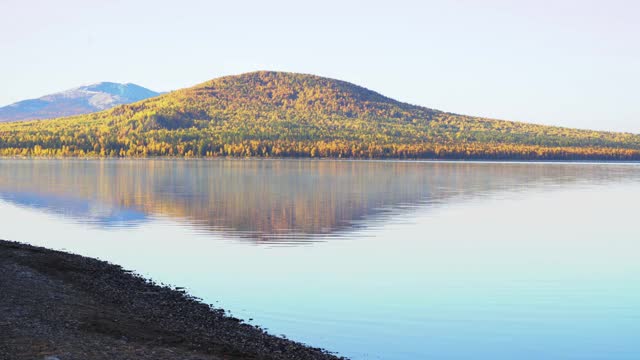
436	260
279	200
86	211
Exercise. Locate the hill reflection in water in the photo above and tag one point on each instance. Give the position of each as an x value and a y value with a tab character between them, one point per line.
271	200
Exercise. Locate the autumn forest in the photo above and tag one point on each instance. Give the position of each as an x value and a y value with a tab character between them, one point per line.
273	114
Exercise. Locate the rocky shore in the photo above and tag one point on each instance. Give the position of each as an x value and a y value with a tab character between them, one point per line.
55	305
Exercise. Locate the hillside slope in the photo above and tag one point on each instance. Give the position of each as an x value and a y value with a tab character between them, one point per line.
285	114
80	100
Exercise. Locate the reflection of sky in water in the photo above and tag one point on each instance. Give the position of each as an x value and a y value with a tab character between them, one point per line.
537	263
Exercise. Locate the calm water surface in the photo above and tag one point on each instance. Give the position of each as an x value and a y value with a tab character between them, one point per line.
373	260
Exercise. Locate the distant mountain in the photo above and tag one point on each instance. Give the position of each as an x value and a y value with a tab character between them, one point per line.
280	114
77	101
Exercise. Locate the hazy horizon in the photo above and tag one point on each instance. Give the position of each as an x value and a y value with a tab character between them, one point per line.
565	63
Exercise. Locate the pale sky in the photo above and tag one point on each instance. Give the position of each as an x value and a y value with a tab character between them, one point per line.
563	62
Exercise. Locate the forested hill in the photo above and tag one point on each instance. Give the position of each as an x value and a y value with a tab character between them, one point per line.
284	114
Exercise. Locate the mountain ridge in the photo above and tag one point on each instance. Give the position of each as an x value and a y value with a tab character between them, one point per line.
267	113
75	101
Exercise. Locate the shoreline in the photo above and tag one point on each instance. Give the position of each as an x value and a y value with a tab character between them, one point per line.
312	159
63	306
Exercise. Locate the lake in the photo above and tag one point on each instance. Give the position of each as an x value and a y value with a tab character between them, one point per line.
370	259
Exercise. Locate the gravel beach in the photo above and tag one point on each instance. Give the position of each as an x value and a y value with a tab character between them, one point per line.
55	305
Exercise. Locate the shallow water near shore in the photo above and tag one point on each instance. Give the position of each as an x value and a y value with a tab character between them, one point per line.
370	259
